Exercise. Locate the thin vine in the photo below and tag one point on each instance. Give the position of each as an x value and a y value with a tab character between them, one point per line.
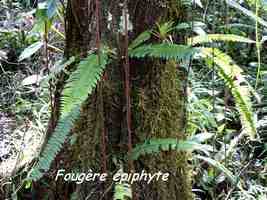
128	89
258	44
100	90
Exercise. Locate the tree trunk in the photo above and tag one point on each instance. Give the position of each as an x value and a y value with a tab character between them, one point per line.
157	103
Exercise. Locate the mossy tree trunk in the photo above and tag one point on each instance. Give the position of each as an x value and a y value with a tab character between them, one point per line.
157	103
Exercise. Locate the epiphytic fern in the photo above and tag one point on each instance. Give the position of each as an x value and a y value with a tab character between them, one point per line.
140	39
157	145
54	144
81	83
164	51
230	72
232	75
85	77
208	38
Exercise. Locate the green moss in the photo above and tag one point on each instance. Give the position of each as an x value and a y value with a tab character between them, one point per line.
163	117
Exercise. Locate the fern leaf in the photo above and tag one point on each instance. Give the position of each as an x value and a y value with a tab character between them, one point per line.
122	191
246	12
164	29
220	167
182	25
209	38
80	84
164	51
54	144
157	145
140	39
232	75
30	50
85	78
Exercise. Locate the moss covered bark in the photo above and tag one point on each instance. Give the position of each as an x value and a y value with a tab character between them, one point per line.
157	107
161	103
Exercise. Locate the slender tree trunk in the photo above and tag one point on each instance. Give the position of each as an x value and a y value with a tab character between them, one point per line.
157	103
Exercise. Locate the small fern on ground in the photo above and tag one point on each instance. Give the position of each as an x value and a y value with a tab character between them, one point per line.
81	83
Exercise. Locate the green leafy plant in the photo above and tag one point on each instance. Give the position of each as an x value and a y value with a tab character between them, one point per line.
30	50
163	30
85	77
220	167
228	71
232	76
209	38
122	191
164	51
143	37
157	145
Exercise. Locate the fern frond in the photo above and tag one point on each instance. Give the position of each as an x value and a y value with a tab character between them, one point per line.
164	51
220	167
122	191
54	144
236	5
140	39
81	83
209	38
181	26
232	75
157	145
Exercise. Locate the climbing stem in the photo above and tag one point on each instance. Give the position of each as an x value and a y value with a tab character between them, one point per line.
258	44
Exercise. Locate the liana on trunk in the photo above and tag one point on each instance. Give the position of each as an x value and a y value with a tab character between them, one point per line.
157	104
